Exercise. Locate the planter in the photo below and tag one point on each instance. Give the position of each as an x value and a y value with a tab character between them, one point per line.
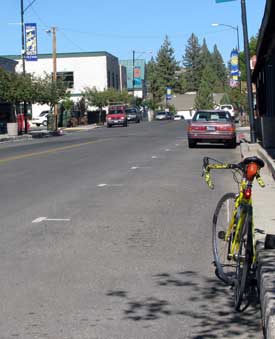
12	128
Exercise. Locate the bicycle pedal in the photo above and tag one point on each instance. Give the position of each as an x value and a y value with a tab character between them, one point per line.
221	235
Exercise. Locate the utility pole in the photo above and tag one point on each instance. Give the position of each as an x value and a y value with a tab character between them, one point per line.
55	107
133	73
23	53
248	73
54	76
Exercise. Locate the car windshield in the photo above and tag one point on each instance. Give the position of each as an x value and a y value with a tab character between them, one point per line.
116	111
161	113
131	110
212	116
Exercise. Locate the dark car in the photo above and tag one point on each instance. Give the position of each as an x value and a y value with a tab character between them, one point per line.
133	114
212	126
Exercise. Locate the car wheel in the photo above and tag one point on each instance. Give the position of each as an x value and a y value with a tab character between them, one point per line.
191	143
232	143
37	125
44	123
108	125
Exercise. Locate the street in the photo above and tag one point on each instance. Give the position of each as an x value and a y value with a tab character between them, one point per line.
107	234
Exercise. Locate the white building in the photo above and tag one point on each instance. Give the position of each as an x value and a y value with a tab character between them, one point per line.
98	70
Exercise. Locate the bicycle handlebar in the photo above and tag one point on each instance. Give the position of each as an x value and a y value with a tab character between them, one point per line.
241	166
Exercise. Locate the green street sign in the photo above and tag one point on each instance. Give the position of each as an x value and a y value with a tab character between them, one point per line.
217	1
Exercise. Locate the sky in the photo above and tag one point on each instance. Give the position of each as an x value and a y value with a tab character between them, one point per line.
122	26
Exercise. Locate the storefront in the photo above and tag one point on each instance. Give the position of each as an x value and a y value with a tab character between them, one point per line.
264	78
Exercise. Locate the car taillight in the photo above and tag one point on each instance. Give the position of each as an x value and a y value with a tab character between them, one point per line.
226	128
247	193
196	128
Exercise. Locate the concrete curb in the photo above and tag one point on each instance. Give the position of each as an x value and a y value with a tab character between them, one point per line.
266	257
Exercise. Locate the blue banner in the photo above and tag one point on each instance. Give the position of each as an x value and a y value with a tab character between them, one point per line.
30	42
168	93
234	68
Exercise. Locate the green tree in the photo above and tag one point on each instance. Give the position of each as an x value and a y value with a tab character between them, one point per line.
152	78
252	51
193	63
219	69
166	66
204	98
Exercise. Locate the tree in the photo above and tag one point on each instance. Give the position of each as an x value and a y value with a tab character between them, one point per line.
193	63
204	97
161	73
219	69
152	77
166	66
252	51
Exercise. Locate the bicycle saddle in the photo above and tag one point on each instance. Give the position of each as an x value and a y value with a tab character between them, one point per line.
254	159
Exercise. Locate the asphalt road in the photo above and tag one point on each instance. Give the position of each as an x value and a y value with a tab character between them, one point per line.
107	234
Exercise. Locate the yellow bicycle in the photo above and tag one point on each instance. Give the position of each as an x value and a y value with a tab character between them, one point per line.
233	238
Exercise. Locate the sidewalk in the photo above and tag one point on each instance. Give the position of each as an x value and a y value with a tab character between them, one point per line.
43	133
264	220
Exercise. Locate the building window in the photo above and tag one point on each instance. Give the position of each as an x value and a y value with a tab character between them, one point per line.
109	79
113	80
67	78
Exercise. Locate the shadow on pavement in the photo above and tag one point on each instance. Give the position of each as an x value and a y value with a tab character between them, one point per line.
216	317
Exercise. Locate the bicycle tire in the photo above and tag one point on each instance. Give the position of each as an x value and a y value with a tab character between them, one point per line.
244	261
225	267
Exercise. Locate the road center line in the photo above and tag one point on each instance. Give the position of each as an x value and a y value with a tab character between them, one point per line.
49	151
40	219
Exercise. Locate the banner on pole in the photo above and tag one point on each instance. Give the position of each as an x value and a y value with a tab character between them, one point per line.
31	42
137	76
234	68
168	93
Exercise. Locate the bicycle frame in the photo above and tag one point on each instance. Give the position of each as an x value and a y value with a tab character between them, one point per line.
242	203
242	206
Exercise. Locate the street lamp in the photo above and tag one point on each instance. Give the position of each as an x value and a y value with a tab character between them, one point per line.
53	32
236	28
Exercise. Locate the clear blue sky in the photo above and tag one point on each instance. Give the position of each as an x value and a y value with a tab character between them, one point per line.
121	26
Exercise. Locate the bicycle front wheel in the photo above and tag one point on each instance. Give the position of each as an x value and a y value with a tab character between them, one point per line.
244	261
225	265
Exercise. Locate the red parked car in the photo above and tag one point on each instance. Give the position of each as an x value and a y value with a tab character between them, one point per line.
212	126
117	116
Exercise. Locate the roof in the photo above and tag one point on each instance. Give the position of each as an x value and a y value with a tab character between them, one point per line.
184	102
66	55
266	37
7	64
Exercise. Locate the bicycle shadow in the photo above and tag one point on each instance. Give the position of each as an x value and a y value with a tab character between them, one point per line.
216	317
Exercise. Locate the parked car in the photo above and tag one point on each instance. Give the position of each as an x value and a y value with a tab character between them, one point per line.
163	116
229	108
133	114
178	117
42	119
116	116
187	115
212	126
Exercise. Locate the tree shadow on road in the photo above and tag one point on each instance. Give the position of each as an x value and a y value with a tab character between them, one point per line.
216	317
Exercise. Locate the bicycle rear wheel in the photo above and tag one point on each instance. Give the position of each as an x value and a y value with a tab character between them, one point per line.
225	266
244	261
